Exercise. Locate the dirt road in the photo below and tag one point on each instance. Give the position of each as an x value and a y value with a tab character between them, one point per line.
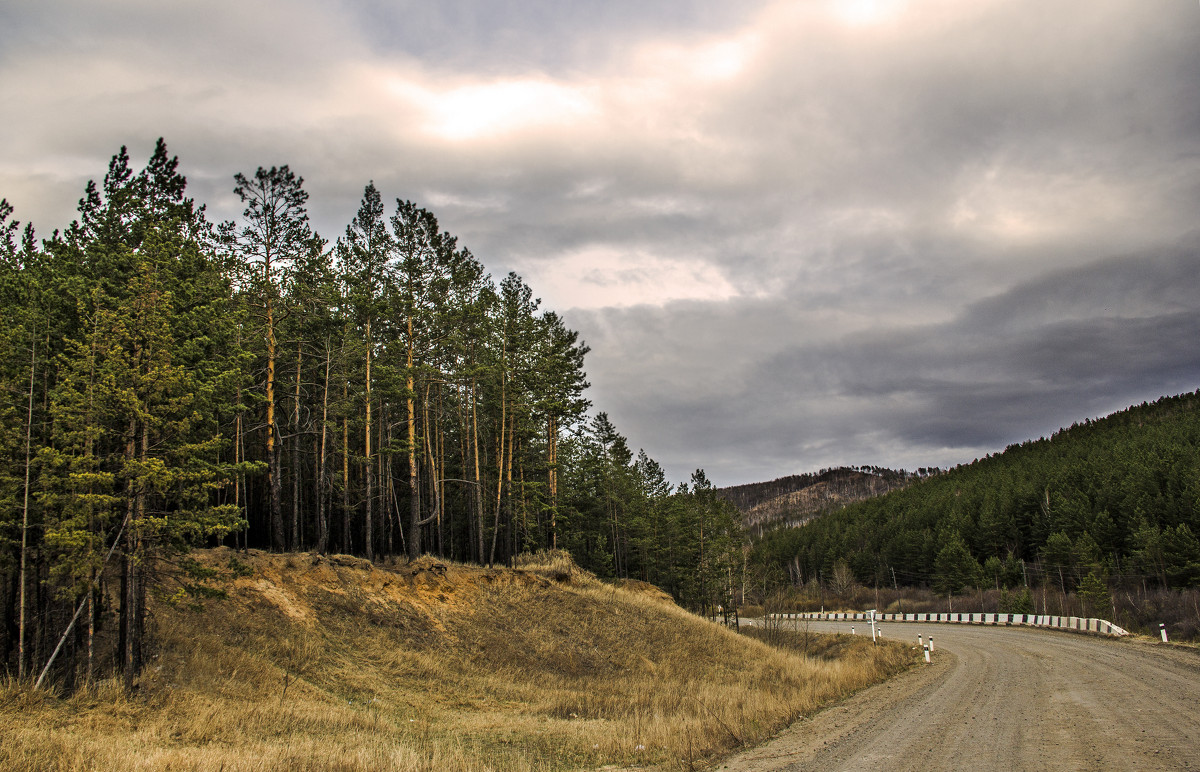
1001	698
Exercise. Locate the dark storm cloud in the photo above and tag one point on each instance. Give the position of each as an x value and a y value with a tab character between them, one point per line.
1069	345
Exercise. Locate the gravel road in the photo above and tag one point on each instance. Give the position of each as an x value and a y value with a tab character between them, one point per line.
1001	698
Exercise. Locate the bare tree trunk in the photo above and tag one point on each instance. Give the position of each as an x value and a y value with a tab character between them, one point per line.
295	536
322	482
499	469
479	513
381	472
239	480
431	454
510	525
274	493
414	503
239	455
347	542
525	541
128	560
441	482
368	522
386	486
25	516
465	425
552	457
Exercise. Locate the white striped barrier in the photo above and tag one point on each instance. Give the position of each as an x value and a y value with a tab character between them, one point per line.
1080	624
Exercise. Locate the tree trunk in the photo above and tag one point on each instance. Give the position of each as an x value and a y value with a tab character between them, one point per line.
552	457
479	513
25	516
414	503
274	489
347	542
322	483
431	452
295	535
499	469
128	618
441	482
508	484
368	520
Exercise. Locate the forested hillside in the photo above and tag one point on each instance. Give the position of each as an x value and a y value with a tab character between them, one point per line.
1108	502
167	381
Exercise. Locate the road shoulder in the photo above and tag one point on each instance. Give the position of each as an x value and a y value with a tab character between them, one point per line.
836	730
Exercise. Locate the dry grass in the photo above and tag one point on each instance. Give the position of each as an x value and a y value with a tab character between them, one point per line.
328	665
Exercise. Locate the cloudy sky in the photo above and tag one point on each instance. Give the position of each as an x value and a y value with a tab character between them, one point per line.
794	234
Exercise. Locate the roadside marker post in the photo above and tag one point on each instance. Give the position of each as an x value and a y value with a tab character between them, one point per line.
931	643
852	629
1162	628
920	642
927	660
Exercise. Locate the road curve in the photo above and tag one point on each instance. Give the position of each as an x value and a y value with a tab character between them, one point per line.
1005	698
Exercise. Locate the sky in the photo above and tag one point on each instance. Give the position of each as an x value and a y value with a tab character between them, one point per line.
795	235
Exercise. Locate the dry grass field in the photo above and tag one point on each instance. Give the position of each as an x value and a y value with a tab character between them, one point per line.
328	663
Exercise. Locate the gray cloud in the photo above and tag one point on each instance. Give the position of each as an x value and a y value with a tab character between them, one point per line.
1069	345
791	241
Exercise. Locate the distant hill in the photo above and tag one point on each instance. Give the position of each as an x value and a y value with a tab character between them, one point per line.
1118	497
795	499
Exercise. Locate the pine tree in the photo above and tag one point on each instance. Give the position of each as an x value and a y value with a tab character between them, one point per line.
274	235
365	255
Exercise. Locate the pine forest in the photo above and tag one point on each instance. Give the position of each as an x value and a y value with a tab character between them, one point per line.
170	382
1105	510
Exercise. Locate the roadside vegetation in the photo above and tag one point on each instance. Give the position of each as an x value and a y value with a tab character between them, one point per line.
327	663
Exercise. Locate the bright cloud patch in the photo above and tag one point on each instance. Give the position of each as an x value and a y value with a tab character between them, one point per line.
603	277
483	110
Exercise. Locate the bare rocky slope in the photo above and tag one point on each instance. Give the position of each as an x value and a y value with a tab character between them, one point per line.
791	501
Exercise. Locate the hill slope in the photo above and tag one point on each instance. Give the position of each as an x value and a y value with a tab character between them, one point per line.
1117	496
793	500
323	663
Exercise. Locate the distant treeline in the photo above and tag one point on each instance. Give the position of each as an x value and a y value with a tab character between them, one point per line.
1103	503
167	381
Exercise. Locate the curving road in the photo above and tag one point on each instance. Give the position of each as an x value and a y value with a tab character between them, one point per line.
1004	698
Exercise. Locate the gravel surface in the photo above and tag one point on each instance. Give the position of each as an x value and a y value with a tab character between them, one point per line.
1001	698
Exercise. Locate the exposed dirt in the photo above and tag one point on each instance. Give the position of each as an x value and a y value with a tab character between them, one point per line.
291	583
1006	698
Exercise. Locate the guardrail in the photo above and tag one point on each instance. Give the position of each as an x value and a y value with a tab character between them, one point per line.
1081	624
